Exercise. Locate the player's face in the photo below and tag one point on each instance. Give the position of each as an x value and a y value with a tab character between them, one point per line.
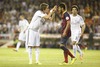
74	11
21	17
47	10
59	9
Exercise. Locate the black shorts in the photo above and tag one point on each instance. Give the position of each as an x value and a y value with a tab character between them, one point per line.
64	40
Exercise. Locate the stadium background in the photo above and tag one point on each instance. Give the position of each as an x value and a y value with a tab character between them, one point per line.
10	9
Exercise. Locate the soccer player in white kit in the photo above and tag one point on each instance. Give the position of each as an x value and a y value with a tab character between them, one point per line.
77	29
33	37
23	25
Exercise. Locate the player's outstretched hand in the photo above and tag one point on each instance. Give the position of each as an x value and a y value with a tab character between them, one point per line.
54	9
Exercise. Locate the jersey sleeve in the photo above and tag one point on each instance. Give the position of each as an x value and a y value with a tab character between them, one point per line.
81	21
19	24
67	16
42	15
27	23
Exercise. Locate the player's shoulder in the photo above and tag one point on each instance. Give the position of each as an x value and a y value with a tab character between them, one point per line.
24	20
70	15
79	16
38	12
20	21
66	13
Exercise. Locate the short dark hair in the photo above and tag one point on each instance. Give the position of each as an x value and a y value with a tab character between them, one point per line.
75	6
62	5
43	6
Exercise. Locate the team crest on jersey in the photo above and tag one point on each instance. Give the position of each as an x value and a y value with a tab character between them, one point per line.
67	18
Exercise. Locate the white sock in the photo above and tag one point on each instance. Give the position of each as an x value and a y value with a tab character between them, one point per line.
79	50
37	54
74	50
18	45
30	54
26	46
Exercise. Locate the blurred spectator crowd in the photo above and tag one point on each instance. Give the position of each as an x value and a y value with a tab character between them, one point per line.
10	9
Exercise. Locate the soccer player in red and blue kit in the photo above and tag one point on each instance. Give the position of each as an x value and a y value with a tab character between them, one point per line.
65	33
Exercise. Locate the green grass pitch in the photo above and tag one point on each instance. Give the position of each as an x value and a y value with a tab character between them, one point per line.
48	58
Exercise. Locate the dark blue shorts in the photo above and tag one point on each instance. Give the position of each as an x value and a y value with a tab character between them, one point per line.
64	40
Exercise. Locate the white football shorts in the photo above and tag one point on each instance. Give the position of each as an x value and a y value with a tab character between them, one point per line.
22	36
32	38
75	37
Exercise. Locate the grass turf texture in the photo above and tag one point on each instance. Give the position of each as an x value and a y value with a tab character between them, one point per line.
48	58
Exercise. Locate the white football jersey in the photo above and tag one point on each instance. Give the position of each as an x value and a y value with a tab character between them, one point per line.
76	23
37	20
23	24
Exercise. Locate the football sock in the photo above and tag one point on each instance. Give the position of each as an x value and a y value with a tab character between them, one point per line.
74	50
26	46
37	54
67	51
66	57
70	54
18	45
30	53
79	50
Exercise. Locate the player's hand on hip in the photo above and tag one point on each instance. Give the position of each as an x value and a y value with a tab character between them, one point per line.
64	34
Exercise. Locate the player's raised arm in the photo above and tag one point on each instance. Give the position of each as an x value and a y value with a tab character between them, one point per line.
50	13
